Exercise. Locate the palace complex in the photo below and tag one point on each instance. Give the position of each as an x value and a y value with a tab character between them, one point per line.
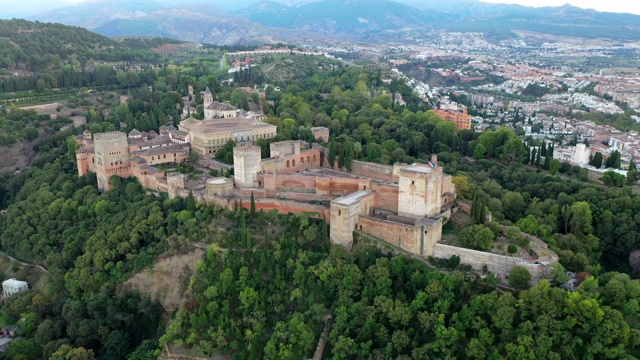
401	205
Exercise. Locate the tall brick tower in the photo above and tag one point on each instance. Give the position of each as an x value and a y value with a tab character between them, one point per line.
112	157
246	165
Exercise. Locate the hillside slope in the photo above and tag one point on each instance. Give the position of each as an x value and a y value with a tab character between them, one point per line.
35	46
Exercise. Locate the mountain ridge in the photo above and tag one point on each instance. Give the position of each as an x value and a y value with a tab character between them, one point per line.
273	20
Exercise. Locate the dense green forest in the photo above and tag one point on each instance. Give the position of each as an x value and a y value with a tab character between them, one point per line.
264	290
271	302
89	242
37	46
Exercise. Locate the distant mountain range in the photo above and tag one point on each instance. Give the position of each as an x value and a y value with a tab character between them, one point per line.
224	22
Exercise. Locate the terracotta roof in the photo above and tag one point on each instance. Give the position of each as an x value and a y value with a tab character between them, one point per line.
159	150
220	106
223	125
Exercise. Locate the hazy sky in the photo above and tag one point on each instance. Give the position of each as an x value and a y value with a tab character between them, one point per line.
15	8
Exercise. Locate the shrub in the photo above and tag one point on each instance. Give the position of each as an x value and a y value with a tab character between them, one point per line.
512	249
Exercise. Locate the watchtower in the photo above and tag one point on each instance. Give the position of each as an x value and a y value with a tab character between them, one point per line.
112	157
246	165
219	186
420	190
175	182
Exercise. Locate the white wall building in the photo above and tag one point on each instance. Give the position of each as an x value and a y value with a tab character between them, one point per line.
575	155
13	286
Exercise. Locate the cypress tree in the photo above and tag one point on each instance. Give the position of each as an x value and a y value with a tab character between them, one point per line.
325	229
597	160
341	157
332	152
253	206
243	229
478	211
632	165
528	158
538	158
547	159
191	202
348	156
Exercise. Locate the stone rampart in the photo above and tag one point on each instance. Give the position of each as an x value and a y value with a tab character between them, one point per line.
372	170
305	197
295	183
341	186
404	236
386	196
498	264
285	207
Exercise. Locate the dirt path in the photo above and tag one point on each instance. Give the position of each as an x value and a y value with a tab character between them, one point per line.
40	267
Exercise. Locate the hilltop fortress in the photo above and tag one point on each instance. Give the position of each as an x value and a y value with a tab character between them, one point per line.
403	205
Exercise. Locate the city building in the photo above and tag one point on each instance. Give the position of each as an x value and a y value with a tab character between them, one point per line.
575	155
461	119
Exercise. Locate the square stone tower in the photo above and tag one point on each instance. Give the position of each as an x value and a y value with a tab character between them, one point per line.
175	183
420	191
112	157
345	215
246	165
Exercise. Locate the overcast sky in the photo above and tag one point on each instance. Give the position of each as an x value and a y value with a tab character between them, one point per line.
19	8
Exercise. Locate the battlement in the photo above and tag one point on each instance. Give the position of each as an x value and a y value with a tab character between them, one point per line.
174	175
246	150
280	149
112	135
